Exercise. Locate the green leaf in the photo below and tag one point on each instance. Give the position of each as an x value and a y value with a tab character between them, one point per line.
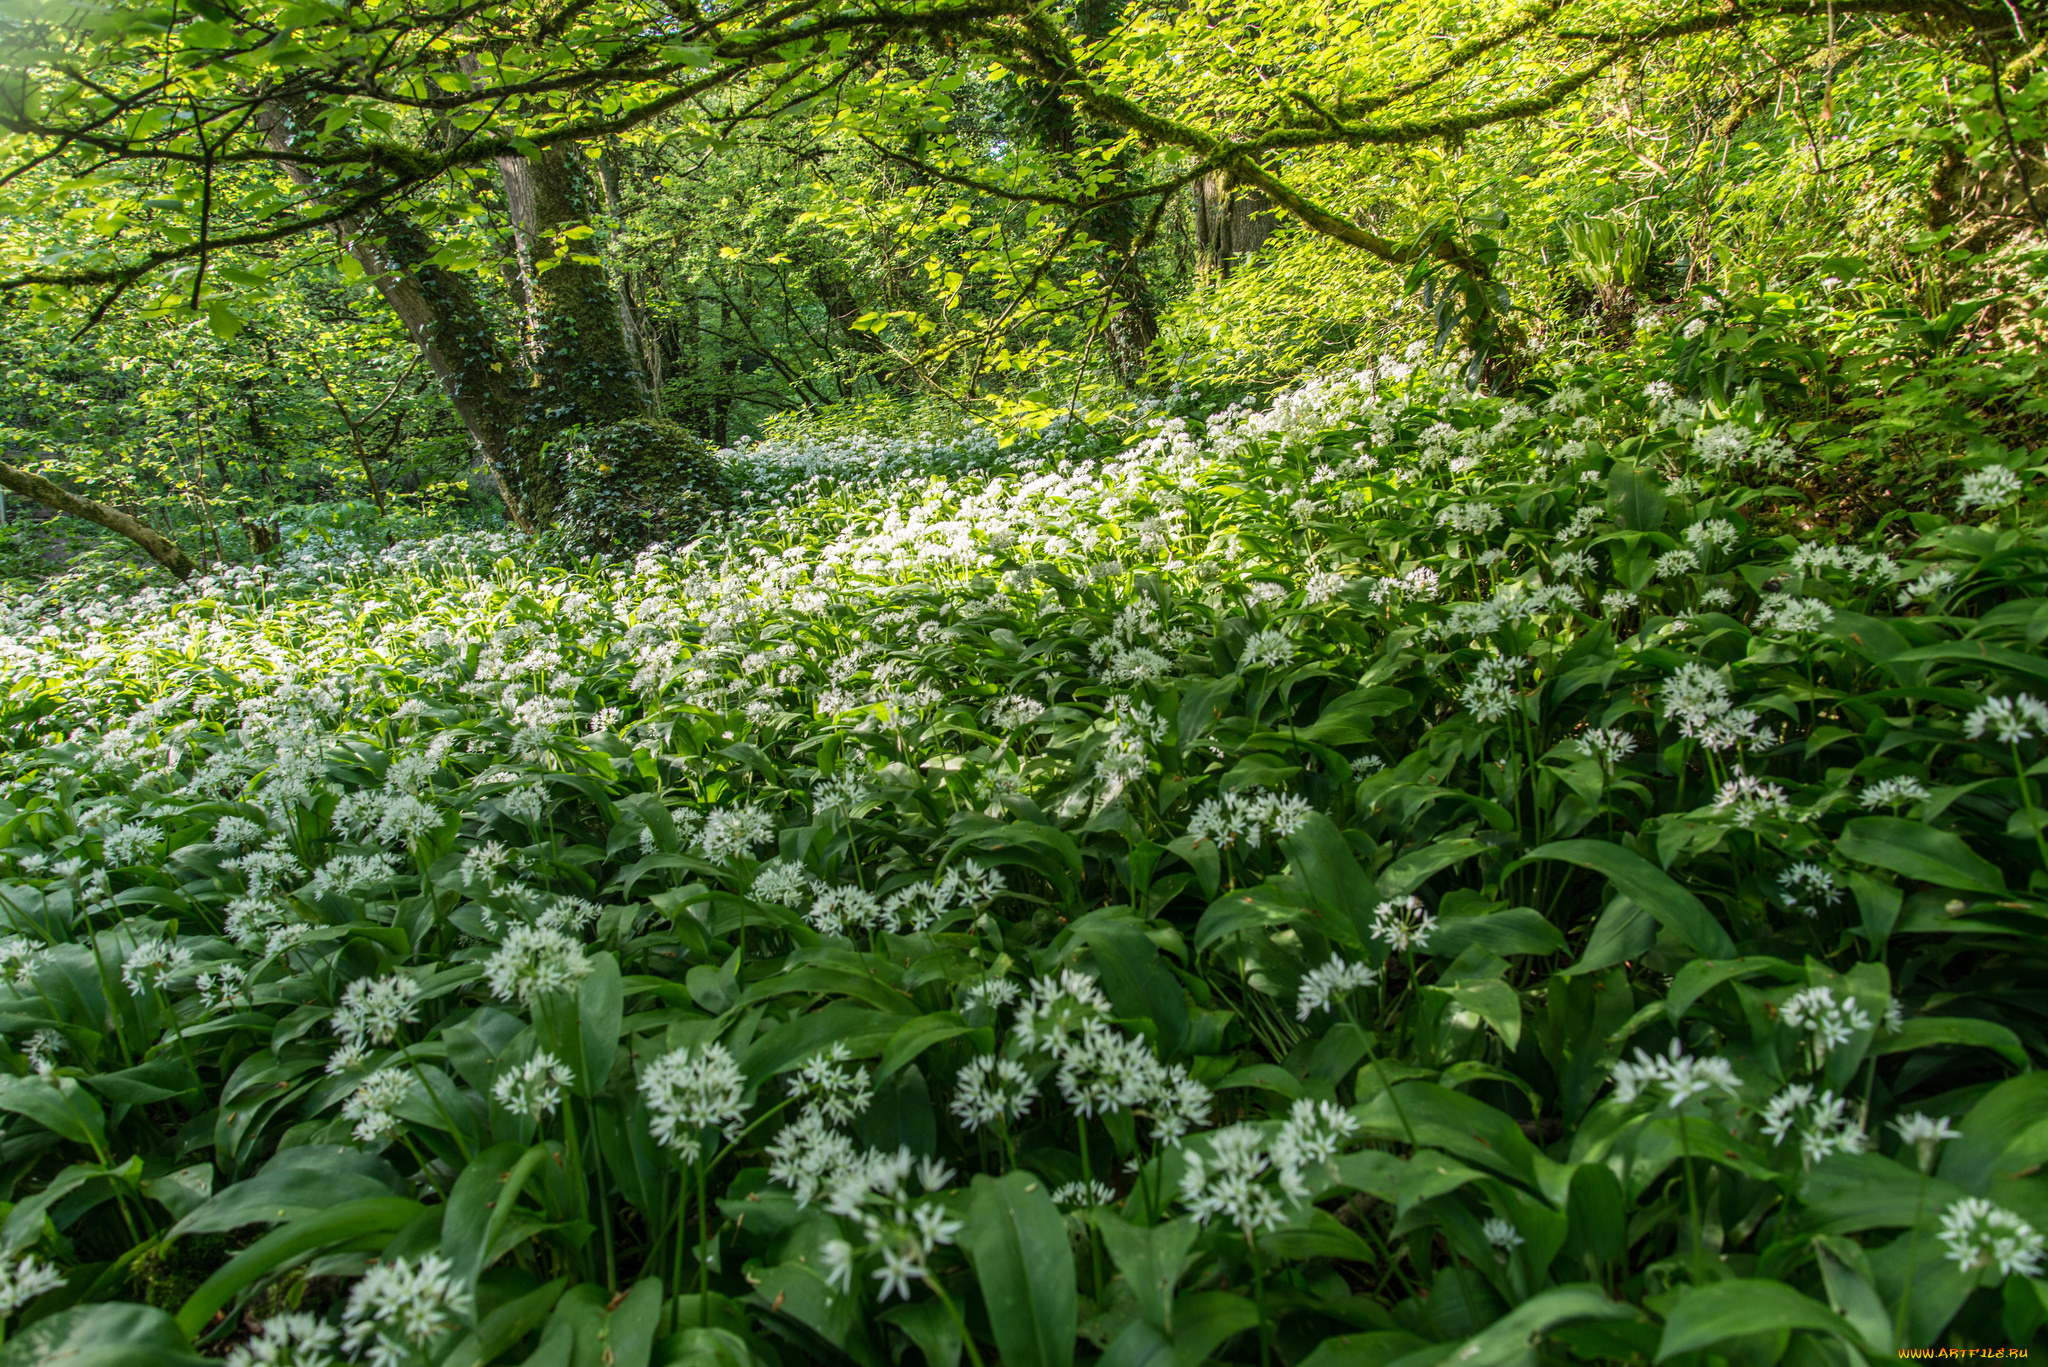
1017	1241
1708	1315
484	1198
282	1247
298	1182
1654	890
1921	1032
1623	932
107	1335
1702	976
1506	1341
1417	867
1634	499
1330	873
918	1035
1375	1349
62	1107
223	320
1919	851
1151	1260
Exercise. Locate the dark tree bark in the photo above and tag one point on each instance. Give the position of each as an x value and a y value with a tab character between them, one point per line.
445	320
1231	222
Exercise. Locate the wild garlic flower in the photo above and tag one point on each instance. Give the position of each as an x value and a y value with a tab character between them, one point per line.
1894	792
1268	649
1748	800
731	833
524	804
1924	1132
19	956
484	863
1331	982
693	1089
1502	1234
1071	1195
1058	1011
295	1339
900	1226
533	962
1676	564
348	1057
846	909
989	994
396	1309
1013	713
1711	534
1102	1070
1609	746
153	962
1403	924
533	1088
373	1010
2008	720
1789	613
808	1156
830	1088
41	1049
238	832
1246	815
1675	1076
992	1091
1176	1103
1982	1235
1705	709
1828	1022
221	986
782	882
1930	586
1989	489
844	792
920	906
373	1106
25	1281
1807	887
1472	518
1819	1119
1490	693
1226	1183
1311	1137
349	874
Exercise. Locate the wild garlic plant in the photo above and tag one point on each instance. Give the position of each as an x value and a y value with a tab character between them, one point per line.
1365	861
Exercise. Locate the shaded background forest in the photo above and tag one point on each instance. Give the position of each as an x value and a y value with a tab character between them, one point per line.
927	240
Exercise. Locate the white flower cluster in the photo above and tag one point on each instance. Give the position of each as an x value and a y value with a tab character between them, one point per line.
1819	1119
1243	816
1675	1076
1244	1177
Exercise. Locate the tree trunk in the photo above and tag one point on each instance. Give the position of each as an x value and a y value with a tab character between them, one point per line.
1131	316
632	292
1231	222
160	548
444	319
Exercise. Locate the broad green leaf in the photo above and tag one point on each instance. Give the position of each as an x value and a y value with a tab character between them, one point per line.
1506	1341
283	1247
116	1334
1707	1315
1151	1260
1017	1241
1654	890
1919	851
